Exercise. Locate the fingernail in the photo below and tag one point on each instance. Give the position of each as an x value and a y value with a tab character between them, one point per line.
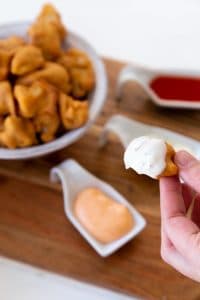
184	159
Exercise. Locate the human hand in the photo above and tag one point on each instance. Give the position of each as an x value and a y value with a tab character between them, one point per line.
180	235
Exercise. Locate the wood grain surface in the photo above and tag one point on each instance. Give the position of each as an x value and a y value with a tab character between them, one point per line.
34	229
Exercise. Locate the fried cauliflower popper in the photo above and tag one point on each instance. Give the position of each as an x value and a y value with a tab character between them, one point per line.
43	87
27	59
73	113
80	70
49	14
5	59
11	44
39	102
40	97
48	32
17	133
7	104
150	156
8	47
52	73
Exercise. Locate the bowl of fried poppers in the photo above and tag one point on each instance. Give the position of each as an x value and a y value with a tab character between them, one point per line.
52	86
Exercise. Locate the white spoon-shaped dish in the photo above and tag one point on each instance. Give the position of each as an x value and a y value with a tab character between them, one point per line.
127	129
144	76
74	178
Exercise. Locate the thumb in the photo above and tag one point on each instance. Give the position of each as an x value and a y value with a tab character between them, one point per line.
189	169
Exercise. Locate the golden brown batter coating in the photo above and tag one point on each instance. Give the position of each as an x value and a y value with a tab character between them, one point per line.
45	36
40	97
46	125
48	32
74	114
8	47
5	59
11	44
170	169
39	101
47	120
36	77
27	59
7	104
50	15
17	133
52	73
80	69
27	99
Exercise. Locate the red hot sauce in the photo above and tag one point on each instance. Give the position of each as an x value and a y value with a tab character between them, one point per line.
176	88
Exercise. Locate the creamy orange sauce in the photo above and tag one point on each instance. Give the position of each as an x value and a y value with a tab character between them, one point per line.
104	218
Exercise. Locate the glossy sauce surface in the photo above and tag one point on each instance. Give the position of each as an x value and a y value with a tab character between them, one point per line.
104	218
176	88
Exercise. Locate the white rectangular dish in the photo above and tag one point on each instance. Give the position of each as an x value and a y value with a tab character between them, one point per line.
21	282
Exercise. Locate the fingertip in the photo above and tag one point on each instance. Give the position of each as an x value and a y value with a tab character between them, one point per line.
189	169
183	159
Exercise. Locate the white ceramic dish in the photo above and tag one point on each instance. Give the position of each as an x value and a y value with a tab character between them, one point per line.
127	129
21	282
75	178
144	76
97	97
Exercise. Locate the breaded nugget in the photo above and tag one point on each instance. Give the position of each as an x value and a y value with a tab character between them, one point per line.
48	101
27	59
82	82
75	58
48	32
39	101
47	120
73	113
7	104
40	97
5	59
8	47
52	73
170	169
11	44
80	69
1	123
47	125
50	15
46	37
27	99
17	133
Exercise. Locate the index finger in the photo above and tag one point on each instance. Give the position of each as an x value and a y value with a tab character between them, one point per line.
179	228
172	203
189	169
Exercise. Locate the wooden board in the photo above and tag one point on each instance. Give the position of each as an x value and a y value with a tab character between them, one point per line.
33	227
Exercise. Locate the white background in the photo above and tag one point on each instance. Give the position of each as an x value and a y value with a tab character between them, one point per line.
160	33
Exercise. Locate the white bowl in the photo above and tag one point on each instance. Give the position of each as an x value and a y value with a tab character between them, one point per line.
96	99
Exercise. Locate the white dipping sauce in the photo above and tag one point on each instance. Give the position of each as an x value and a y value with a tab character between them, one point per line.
146	155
